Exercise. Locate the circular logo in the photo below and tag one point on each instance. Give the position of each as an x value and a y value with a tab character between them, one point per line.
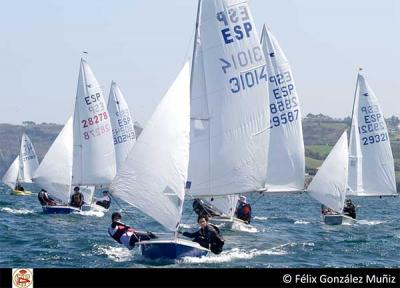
22	278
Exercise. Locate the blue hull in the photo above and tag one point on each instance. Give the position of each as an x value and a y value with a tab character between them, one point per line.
170	250
58	210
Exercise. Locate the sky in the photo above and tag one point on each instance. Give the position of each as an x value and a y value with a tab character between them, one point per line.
143	44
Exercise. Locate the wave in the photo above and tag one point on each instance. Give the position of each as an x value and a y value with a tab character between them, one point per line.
233	254
116	254
17	211
260	218
91	213
301	222
370	222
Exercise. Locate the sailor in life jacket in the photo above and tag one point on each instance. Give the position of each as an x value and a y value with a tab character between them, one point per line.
45	199
208	236
77	198
126	235
105	201
243	210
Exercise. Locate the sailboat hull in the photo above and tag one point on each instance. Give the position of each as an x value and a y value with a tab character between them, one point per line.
59	209
20	193
232	223
338	219
171	249
93	207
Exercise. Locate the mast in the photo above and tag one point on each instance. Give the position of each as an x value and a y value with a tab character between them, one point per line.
355	96
196	33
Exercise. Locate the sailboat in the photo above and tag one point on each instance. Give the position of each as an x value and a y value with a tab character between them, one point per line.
122	124
153	176
22	168
228	105
330	183
89	153
286	158
371	164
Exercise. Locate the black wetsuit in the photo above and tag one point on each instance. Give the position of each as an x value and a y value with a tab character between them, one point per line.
209	238
350	210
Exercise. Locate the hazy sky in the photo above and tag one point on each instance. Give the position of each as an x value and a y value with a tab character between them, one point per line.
142	44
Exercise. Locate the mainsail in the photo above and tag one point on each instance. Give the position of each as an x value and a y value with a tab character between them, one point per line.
371	164
153	176
28	160
11	175
55	171
122	124
286	161
229	102
329	184
93	152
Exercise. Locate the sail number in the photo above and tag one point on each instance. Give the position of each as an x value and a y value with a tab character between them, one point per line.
375	138
234	30
248	79
124	131
98	131
94	120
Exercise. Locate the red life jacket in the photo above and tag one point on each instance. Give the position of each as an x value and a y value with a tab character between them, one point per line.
121	230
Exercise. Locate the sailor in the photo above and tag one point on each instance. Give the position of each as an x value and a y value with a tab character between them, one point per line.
19	187
126	235
208	236
243	210
45	199
76	198
349	209
105	201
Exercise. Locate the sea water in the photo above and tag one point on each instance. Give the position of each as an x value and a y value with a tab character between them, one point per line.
289	233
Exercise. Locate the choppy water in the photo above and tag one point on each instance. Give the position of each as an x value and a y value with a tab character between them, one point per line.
289	234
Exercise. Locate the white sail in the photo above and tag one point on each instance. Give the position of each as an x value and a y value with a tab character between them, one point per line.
371	164
93	153
10	177
286	161
55	171
228	102
153	176
28	160
122	124
225	204
329	184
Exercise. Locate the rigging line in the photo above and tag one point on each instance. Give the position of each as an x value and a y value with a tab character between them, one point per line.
262	195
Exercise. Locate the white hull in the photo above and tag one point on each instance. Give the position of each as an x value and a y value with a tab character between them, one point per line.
232	223
93	207
338	219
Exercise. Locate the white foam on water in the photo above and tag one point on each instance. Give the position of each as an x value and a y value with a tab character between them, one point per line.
17	211
301	222
94	213
244	228
370	222
233	254
116	254
260	218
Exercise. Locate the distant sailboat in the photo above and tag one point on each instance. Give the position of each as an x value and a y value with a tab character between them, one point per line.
92	160
286	160
329	184
122	124
229	100
371	164
22	169
153	176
